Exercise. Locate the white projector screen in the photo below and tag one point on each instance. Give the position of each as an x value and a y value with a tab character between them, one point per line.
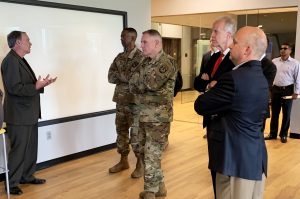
77	46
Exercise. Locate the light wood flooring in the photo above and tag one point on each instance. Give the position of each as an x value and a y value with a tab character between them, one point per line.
184	164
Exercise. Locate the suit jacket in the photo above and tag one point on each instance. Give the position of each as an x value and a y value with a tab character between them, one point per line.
225	66
269	70
22	100
200	84
236	143
205	59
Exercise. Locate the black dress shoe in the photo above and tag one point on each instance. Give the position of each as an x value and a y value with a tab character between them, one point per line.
270	137
15	190
35	181
283	139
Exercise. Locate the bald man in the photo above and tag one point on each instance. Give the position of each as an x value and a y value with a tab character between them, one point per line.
239	103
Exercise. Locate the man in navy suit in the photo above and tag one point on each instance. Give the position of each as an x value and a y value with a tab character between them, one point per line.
21	111
238	104
219	64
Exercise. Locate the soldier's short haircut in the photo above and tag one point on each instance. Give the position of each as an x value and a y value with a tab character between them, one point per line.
152	32
13	37
131	30
230	24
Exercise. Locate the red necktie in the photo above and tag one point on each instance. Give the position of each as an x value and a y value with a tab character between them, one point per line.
216	66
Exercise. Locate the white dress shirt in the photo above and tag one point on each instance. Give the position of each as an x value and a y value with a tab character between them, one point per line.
287	73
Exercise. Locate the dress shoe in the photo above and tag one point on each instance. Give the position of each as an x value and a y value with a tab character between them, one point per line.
283	139
34	181
15	190
270	137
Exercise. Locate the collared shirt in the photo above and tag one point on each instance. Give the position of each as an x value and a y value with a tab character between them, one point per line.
262	56
225	52
237	66
287	73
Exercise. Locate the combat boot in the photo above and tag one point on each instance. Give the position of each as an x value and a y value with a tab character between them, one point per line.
122	165
139	169
162	192
147	195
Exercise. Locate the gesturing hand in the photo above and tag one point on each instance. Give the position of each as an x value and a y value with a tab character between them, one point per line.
41	83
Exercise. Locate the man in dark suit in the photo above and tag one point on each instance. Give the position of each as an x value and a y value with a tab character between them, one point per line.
238	103
219	63
21	111
269	70
204	63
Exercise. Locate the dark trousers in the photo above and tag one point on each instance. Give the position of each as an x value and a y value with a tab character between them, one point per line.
213	178
23	153
279	103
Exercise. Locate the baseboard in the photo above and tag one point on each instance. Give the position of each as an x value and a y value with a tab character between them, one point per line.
50	163
295	135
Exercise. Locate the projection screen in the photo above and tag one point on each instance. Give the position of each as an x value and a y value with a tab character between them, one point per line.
77	44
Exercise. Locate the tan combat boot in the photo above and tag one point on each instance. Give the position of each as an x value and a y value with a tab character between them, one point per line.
122	165
162	192
139	169
147	195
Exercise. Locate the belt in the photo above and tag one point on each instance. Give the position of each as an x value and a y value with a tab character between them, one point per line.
283	87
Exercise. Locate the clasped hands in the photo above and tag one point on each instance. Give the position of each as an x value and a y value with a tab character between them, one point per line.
43	82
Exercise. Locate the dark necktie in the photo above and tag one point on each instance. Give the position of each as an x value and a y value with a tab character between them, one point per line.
216	66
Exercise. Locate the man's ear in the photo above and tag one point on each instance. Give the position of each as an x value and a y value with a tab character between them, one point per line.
248	51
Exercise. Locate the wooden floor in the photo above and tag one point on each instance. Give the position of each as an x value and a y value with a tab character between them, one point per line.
184	164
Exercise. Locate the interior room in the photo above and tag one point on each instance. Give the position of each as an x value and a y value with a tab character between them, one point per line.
77	138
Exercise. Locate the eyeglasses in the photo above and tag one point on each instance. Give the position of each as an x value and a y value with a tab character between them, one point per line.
285	48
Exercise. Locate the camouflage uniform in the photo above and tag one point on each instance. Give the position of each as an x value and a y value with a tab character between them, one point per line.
119	73
154	82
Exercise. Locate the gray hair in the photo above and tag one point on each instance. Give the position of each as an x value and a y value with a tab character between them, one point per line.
230	24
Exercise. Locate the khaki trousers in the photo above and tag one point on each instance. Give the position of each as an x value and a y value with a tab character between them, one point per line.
228	187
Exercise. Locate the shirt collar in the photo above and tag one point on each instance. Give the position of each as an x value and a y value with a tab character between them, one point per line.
262	56
154	59
237	66
226	51
131	54
288	59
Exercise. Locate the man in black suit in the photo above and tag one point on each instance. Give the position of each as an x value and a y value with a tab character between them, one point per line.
238	103
219	63
269	70
204	63
21	111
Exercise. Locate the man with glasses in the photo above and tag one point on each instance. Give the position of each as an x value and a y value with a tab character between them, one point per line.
286	83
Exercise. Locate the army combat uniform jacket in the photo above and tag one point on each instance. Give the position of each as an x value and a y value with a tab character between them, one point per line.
154	81
120	72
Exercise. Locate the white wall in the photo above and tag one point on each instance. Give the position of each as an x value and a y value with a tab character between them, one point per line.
67	138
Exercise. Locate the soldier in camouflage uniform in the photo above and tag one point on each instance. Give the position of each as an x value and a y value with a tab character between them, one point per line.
154	82
119	73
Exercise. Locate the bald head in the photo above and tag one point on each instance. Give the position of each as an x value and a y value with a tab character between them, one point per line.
249	43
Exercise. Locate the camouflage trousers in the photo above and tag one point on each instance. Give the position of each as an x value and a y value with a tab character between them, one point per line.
127	117
153	139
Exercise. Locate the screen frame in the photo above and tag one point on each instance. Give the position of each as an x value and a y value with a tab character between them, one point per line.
123	14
